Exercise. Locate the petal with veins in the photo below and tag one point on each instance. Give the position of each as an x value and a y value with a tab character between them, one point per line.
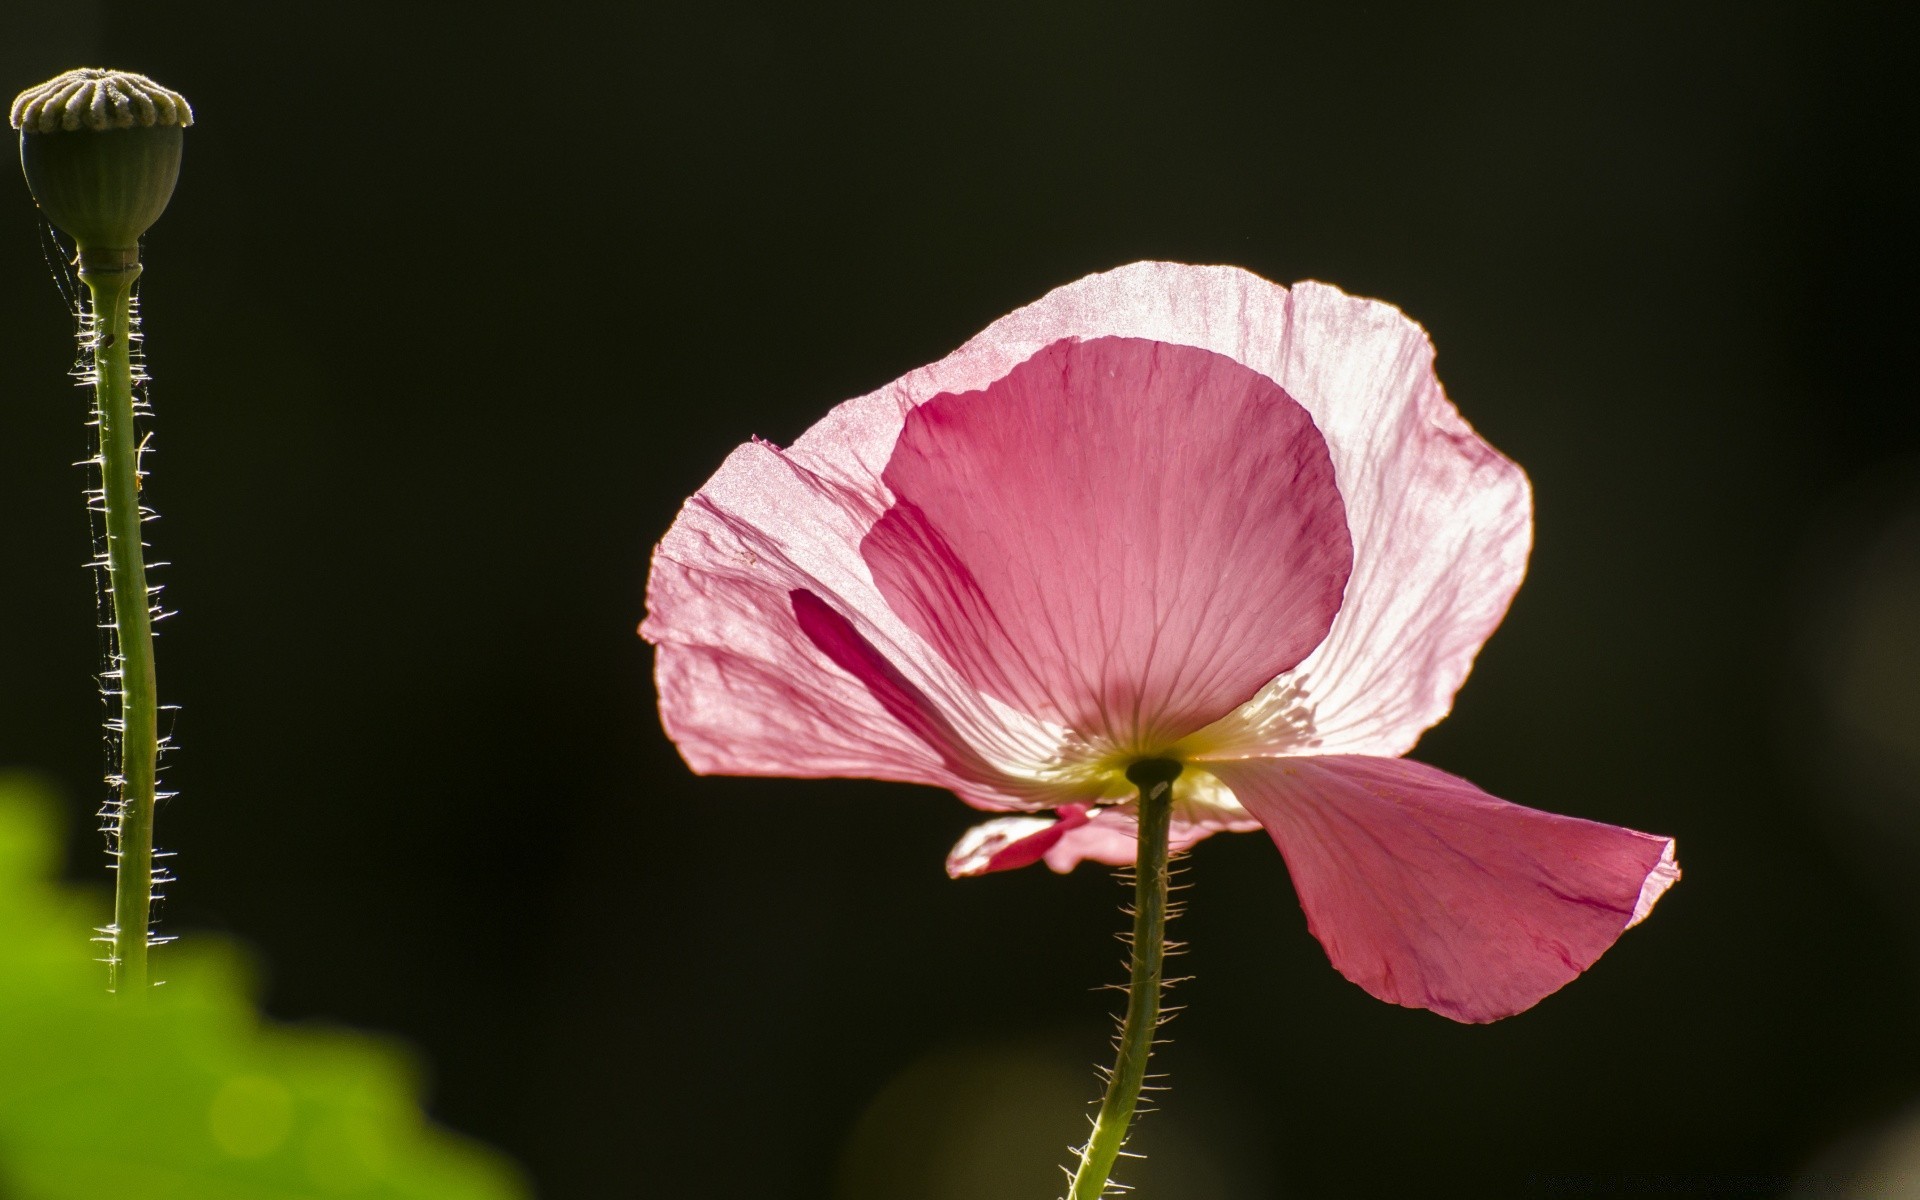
744	688
1122	537
1428	892
1441	521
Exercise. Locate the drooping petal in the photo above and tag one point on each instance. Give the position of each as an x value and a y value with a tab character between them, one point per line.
1122	537
1429	893
1006	843
1441	522
1108	835
1113	837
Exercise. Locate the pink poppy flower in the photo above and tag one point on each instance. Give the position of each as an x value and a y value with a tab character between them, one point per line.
1164	512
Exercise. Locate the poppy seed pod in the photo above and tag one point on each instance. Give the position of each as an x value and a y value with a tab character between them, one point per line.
101	152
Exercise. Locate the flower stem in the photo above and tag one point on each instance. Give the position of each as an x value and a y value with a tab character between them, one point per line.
112	295
1154	778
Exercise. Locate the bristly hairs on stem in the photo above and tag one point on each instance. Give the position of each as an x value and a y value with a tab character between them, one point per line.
1137	1030
113	810
101	152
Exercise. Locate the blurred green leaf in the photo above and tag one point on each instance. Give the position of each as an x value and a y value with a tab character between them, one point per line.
189	1095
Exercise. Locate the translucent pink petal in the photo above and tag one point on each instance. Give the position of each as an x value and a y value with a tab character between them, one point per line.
1428	892
745	689
1006	843
1108	835
1123	537
1112	837
1441	522
836	637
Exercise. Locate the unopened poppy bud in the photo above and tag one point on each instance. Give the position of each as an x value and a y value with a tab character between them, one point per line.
101	151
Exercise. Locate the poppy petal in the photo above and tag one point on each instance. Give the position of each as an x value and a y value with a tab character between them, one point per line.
1441	521
750	687
1430	893
1007	843
1108	835
1123	537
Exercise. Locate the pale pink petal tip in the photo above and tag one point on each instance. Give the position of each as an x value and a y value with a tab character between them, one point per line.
1664	875
1430	893
1006	843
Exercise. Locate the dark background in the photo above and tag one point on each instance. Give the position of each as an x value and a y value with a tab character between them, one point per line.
452	310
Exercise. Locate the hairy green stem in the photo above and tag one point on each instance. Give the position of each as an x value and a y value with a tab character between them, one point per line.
1154	778
138	722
